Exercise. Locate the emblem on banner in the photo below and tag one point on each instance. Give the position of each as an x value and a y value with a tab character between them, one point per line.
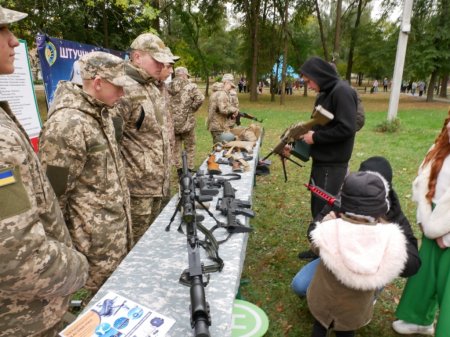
50	53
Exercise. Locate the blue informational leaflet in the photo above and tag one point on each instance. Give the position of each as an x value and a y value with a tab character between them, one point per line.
117	316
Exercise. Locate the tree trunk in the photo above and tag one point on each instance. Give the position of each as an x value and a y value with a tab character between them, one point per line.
255	46
322	36
444	82
348	75
285	53
105	26
337	30
430	89
155	22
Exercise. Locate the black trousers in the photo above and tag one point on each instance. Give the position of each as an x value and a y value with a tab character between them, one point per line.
320	331
328	178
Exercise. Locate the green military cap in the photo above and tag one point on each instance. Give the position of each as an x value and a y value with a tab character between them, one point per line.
8	16
153	45
107	66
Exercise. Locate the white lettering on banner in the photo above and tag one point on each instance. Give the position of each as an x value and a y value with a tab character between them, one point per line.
70	53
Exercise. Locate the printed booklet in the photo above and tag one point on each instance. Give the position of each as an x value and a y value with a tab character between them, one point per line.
117	316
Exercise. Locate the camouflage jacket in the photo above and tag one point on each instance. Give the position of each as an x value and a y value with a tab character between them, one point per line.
145	144
39	268
79	151
220	108
185	100
162	86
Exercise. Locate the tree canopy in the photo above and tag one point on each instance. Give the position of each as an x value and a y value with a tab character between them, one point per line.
247	37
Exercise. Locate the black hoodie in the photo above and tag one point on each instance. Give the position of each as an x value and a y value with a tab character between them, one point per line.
333	143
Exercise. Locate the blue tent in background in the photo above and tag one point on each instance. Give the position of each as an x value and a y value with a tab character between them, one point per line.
289	70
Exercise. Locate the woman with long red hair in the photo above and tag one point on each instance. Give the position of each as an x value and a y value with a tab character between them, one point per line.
429	290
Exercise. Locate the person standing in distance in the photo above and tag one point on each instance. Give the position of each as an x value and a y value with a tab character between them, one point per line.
39	268
79	150
185	100
222	112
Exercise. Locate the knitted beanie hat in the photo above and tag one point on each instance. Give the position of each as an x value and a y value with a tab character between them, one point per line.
365	193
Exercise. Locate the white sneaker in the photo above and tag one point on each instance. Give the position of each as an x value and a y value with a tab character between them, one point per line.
406	328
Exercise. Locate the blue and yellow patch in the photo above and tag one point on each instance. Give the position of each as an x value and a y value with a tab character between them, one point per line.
7	177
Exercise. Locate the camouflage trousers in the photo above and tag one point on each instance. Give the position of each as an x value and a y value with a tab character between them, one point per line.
143	212
216	136
188	140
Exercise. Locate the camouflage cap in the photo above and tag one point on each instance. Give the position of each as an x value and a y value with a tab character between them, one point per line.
228	78
172	56
8	16
181	71
153	45
107	66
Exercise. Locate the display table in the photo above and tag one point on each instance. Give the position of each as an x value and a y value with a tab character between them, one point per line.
149	274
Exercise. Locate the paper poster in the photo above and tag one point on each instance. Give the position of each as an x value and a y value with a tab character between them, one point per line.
117	316
18	90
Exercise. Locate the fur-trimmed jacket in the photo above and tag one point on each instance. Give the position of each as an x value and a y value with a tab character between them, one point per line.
356	259
434	222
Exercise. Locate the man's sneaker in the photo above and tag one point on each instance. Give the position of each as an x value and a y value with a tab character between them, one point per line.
406	328
307	255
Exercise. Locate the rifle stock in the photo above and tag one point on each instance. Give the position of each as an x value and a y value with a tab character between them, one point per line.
320	116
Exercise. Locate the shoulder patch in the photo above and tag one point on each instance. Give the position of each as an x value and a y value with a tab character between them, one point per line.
7	177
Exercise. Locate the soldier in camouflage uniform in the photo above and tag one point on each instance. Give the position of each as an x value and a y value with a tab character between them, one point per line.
39	268
145	146
79	150
185	100
221	111
167	72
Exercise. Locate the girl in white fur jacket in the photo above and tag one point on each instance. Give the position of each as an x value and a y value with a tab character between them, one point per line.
359	254
429	289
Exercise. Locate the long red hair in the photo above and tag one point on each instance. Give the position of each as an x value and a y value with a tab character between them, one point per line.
436	156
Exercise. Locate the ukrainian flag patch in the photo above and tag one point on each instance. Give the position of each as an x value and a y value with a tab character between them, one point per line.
7	177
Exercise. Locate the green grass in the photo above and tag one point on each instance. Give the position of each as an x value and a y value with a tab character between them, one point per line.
282	209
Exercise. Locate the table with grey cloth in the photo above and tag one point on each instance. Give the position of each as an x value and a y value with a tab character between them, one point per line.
149	274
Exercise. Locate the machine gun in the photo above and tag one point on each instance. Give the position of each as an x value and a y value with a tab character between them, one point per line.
200	314
320	116
246	115
230	206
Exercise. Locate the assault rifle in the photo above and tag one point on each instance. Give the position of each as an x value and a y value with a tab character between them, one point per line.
230	206
200	315
246	115
320	116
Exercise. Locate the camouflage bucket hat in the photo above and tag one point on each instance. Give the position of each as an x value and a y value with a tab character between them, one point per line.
153	45
8	16
109	67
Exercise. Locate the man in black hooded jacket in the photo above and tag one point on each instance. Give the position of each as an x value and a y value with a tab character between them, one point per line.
331	144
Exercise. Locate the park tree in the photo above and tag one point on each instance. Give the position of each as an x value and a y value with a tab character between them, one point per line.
429	50
107	23
196	28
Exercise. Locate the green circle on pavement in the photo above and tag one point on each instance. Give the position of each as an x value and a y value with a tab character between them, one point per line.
248	320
